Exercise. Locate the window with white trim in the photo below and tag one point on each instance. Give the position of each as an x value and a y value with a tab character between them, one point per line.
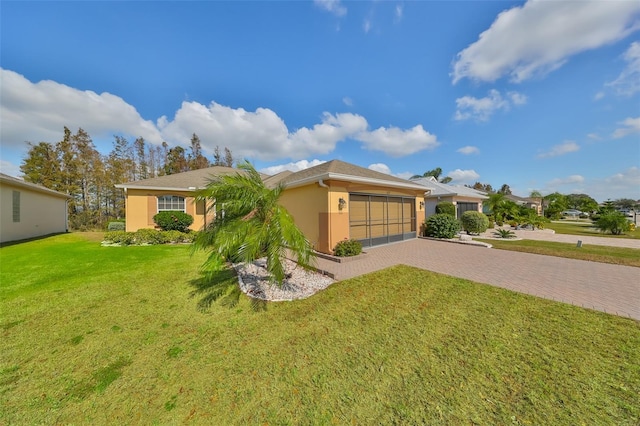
171	202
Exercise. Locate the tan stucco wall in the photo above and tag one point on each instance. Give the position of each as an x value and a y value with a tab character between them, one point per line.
316	210
40	214
142	205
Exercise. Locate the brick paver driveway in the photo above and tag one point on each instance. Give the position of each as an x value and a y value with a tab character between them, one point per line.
604	287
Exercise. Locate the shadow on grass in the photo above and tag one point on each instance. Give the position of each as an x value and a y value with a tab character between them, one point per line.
221	286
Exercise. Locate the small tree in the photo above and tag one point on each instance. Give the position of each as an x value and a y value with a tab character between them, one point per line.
254	225
474	222
442	225
446	207
614	222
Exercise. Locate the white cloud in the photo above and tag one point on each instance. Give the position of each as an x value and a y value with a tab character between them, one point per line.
561	149
347	101
332	6
463	176
631	126
481	109
539	37
294	167
598	96
569	180
380	167
628	82
594	136
399	11
366	25
468	150
38	112
397	142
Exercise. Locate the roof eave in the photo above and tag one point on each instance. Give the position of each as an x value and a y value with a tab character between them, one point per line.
157	188
358	179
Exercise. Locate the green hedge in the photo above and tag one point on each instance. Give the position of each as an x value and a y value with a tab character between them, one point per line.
446	207
442	225
148	237
474	222
173	221
347	248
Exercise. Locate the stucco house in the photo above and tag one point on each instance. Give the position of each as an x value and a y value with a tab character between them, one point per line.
464	198
29	210
329	202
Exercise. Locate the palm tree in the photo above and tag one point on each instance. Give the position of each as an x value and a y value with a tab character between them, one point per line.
250	224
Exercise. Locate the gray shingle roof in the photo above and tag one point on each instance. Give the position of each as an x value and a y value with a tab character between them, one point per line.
443	189
183	181
336	169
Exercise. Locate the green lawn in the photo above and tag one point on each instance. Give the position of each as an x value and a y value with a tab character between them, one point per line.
109	335
586	228
594	253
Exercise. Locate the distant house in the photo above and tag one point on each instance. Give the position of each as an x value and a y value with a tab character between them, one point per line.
29	210
532	203
329	202
464	198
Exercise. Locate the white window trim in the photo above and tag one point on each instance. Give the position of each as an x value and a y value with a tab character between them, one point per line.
184	203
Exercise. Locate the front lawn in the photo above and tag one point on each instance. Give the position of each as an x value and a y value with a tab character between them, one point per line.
591	252
114	335
587	229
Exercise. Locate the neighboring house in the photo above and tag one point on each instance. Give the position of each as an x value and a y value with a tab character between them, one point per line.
532	203
464	198
329	202
30	210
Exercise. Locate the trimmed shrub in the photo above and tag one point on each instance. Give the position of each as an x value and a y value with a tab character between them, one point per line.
614	222
116	226
120	237
173	221
150	236
347	248
474	222
446	207
442	225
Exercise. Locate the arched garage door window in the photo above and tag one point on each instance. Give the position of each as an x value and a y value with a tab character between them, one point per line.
171	202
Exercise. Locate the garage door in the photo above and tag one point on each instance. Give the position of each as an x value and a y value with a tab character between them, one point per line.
379	219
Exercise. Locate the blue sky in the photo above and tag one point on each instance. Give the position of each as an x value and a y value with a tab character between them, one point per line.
540	95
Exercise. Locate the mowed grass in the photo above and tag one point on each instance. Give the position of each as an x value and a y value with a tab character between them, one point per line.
94	335
594	253
587	229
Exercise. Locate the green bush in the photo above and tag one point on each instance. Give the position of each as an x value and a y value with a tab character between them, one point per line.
347	248
116	226
150	236
614	222
442	225
173	221
120	237
474	222
446	207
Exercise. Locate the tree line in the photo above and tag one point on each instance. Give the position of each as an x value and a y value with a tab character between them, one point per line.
75	167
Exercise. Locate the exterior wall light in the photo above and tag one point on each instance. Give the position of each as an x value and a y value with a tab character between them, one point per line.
342	203
421	205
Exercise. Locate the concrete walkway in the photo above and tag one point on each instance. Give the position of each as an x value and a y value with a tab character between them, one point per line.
604	287
549	235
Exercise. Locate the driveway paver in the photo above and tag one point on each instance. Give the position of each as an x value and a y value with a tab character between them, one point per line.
604	287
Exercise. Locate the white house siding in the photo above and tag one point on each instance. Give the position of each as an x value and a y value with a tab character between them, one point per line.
41	212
